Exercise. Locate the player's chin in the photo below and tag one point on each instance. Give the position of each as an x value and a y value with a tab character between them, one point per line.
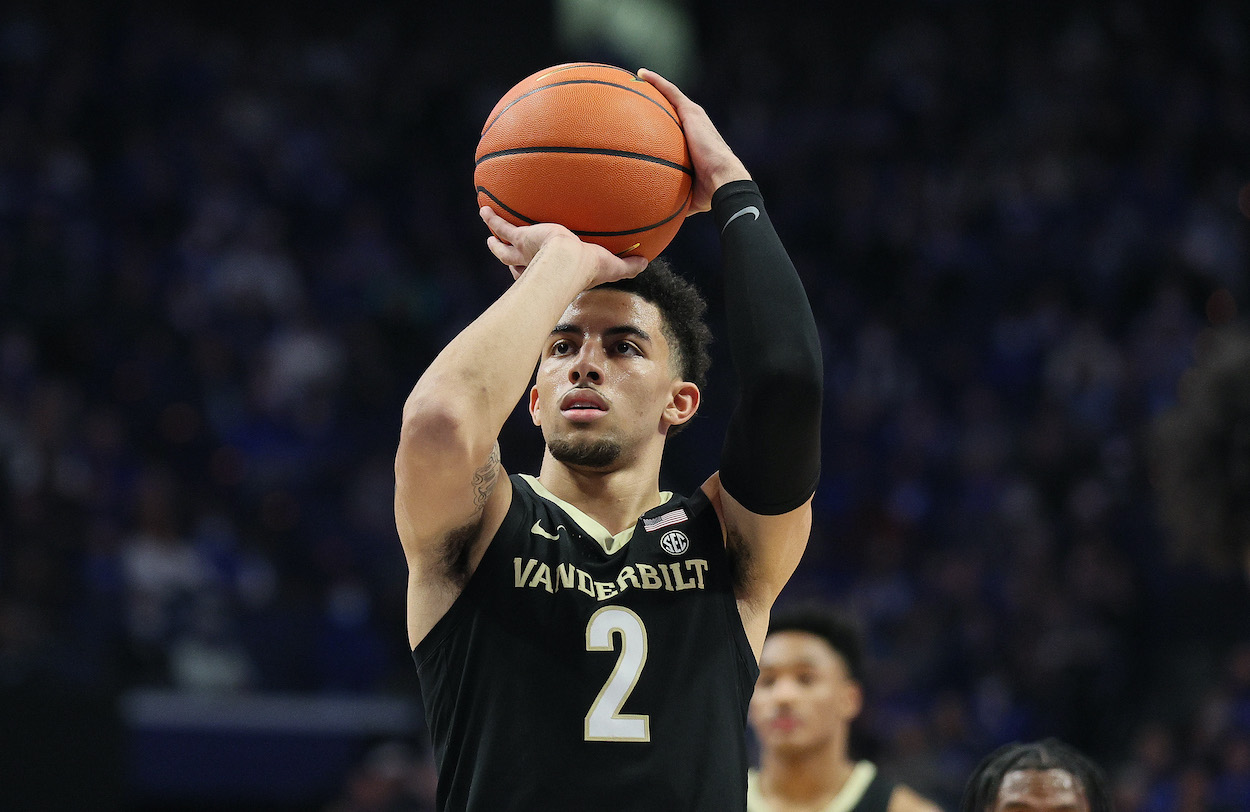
789	744
789	733
585	449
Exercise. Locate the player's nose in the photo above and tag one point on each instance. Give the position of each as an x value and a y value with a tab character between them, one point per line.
785	691
587	366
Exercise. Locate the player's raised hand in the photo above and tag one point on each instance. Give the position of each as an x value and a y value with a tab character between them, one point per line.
714	162
518	246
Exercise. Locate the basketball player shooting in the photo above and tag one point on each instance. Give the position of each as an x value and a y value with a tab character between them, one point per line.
584	640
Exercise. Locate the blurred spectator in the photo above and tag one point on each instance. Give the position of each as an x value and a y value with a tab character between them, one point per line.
1202	454
391	777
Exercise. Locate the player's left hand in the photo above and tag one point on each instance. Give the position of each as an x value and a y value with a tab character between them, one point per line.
517	246
715	164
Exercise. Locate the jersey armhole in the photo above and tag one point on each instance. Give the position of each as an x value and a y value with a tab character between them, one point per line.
513	519
699	502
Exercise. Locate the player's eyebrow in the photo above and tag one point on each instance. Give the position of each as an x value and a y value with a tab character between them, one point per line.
611	332
627	330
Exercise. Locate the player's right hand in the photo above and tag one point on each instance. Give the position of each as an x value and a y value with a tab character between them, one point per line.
715	164
518	247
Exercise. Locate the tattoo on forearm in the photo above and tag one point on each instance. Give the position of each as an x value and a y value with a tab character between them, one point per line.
484	479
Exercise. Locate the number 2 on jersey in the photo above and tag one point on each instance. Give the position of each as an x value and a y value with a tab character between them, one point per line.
605	722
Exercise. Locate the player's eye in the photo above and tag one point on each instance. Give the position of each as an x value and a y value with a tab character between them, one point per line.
626	348
561	347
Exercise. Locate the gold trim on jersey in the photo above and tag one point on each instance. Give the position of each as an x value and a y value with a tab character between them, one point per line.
846	799
610	542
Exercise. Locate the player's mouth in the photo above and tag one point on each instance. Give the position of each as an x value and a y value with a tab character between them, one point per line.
583	405
784	724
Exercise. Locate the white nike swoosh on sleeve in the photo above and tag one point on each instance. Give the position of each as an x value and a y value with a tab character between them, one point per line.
751	210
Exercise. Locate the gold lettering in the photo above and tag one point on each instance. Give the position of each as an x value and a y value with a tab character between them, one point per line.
668	582
680	582
627	574
522	577
699	565
649	579
542	577
604	589
585	583
564	576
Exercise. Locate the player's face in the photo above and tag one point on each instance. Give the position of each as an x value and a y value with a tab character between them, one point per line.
1040	791
805	697
604	384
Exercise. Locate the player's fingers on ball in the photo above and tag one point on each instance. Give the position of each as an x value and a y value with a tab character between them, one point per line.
504	252
669	90
656	79
636	265
498	226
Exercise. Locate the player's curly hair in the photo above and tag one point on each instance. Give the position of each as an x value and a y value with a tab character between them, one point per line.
981	791
1199	453
683	311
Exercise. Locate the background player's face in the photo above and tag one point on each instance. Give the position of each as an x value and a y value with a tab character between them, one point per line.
805	697
604	384
1040	791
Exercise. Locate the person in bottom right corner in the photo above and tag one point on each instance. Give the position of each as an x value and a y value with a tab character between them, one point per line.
1041	776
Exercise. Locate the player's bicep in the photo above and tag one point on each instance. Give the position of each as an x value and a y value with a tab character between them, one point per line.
441	560
436	498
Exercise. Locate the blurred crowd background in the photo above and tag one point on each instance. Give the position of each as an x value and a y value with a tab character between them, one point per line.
231	239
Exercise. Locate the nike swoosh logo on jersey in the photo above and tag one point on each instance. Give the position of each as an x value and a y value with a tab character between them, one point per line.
751	210
538	530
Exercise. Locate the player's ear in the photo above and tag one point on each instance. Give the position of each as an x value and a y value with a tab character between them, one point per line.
683	403
851	699
534	406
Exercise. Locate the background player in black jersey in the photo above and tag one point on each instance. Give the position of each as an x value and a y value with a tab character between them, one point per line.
809	692
584	641
1041	776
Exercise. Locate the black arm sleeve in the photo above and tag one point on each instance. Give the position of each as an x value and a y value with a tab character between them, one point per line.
771	459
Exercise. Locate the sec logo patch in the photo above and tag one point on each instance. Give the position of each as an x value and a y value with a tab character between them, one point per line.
674	542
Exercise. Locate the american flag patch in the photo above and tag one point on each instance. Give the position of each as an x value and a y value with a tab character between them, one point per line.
665	520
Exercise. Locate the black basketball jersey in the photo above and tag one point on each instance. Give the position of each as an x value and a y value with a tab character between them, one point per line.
576	673
876	797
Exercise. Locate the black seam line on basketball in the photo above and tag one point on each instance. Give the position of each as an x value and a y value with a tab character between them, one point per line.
491	123
576	65
484	191
633	230
614	153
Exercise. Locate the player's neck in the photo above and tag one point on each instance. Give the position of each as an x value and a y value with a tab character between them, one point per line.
615	498
806	780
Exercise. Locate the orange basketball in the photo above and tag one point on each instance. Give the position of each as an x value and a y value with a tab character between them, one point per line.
593	148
